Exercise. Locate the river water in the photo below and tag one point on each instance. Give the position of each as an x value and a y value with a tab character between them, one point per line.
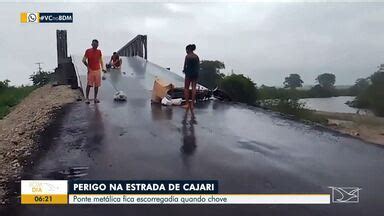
331	104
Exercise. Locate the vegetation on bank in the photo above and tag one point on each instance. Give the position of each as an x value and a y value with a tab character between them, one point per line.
239	88
210	75
294	108
267	92
324	88
41	78
371	93
285	100
10	96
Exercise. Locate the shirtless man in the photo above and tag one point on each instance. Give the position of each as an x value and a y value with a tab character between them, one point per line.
115	61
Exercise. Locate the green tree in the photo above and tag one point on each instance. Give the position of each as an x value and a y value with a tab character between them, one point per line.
318	91
239	88
326	80
372	96
360	85
41	78
4	84
377	78
376	93
209	75
293	81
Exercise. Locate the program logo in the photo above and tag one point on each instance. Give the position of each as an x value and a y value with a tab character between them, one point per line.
44	192
345	194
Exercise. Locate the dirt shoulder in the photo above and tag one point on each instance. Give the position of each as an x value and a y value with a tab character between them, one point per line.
19	130
365	127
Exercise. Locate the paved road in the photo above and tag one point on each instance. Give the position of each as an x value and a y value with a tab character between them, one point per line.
247	149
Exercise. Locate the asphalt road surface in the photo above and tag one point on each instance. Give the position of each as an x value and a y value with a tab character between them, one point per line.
248	150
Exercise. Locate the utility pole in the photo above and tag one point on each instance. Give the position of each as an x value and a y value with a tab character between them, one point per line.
39	66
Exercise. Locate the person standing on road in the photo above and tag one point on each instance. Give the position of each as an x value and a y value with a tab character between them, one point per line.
93	60
191	71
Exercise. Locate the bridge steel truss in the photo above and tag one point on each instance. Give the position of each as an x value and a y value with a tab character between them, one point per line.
136	47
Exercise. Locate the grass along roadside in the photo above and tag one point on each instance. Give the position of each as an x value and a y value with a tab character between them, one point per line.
293	108
11	96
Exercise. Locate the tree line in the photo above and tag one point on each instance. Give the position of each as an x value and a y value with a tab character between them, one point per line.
369	91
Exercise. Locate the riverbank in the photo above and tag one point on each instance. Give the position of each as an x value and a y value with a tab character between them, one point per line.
366	127
19	130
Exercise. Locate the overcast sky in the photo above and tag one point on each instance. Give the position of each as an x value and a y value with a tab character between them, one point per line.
265	41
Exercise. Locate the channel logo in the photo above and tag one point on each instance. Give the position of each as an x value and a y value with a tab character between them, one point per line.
345	194
40	17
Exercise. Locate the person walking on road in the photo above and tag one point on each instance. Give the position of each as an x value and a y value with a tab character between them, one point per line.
93	60
191	71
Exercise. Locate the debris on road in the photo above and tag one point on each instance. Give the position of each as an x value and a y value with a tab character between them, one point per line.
160	90
120	96
167	94
202	93
168	101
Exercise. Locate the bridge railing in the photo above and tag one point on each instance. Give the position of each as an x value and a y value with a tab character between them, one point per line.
136	47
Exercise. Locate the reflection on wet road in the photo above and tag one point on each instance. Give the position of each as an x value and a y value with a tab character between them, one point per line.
188	138
247	149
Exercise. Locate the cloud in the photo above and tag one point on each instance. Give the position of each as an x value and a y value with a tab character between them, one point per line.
265	41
